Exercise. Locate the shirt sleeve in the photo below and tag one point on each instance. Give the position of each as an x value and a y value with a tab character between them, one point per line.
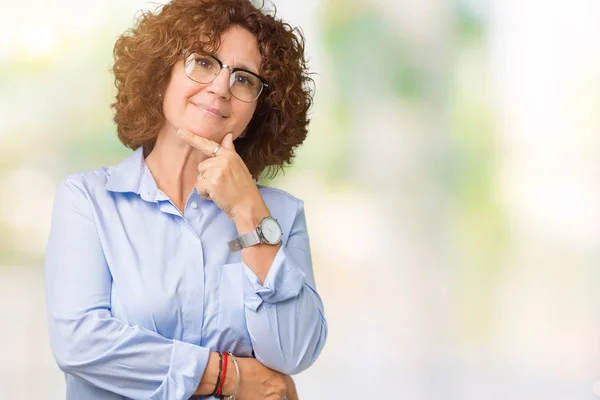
86	340
285	316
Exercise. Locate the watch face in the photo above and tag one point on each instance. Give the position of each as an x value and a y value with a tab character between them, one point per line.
271	230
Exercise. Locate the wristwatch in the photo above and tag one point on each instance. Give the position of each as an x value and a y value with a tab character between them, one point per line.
268	231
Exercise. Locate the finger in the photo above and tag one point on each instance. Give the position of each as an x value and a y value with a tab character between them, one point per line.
209	175
291	393
198	142
209	163
203	188
227	142
203	184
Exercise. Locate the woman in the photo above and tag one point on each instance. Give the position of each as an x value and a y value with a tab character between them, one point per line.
156	267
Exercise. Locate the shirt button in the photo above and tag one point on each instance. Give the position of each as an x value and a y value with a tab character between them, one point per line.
194	205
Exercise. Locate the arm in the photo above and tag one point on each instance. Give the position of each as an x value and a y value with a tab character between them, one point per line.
284	312
86	340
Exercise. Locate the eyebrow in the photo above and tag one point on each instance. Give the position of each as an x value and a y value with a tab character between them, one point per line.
239	66
244	67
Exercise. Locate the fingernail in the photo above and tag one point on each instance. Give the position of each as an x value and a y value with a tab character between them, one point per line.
182	132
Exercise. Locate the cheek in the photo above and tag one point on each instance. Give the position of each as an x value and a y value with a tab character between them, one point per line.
176	99
244	113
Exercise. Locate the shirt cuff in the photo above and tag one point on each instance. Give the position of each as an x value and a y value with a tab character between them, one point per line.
188	363
284	281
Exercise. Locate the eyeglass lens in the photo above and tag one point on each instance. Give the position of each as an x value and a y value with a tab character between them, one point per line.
204	69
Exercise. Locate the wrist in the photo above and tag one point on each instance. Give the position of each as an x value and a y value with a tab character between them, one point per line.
211	372
246	217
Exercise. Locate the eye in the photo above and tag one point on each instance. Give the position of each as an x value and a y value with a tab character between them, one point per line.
242	80
245	79
205	62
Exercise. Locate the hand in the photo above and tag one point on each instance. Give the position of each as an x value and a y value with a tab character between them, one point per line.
291	392
262	383
224	178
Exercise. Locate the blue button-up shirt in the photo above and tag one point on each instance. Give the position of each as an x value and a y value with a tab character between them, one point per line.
138	294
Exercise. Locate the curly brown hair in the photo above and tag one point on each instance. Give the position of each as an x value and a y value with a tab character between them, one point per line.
145	54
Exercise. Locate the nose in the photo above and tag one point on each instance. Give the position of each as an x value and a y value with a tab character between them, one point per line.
220	86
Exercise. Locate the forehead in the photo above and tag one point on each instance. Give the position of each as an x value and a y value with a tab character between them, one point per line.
239	49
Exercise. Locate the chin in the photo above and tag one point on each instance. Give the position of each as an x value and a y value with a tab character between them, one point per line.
207	131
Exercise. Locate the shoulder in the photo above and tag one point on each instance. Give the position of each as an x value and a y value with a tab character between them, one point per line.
87	181
83	184
77	193
280	198
285	207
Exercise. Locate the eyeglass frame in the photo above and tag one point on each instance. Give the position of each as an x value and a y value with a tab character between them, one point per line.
265	85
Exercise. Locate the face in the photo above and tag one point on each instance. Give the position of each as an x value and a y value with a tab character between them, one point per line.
209	109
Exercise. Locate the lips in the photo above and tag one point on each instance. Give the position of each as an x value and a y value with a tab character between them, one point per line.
212	111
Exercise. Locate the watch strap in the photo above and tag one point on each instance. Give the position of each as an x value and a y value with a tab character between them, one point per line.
246	240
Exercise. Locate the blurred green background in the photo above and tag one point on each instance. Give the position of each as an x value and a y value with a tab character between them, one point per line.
450	179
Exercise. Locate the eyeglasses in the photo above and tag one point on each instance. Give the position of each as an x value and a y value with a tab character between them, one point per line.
244	85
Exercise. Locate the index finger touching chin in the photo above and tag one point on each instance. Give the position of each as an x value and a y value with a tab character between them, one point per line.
198	142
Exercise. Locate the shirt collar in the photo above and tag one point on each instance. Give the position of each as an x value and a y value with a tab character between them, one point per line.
134	176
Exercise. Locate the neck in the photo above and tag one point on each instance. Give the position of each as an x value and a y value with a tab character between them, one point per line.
174	166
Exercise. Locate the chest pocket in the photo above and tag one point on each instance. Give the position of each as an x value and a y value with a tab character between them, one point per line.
231	316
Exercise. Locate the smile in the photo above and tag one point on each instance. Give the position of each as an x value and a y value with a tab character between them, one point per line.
210	111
